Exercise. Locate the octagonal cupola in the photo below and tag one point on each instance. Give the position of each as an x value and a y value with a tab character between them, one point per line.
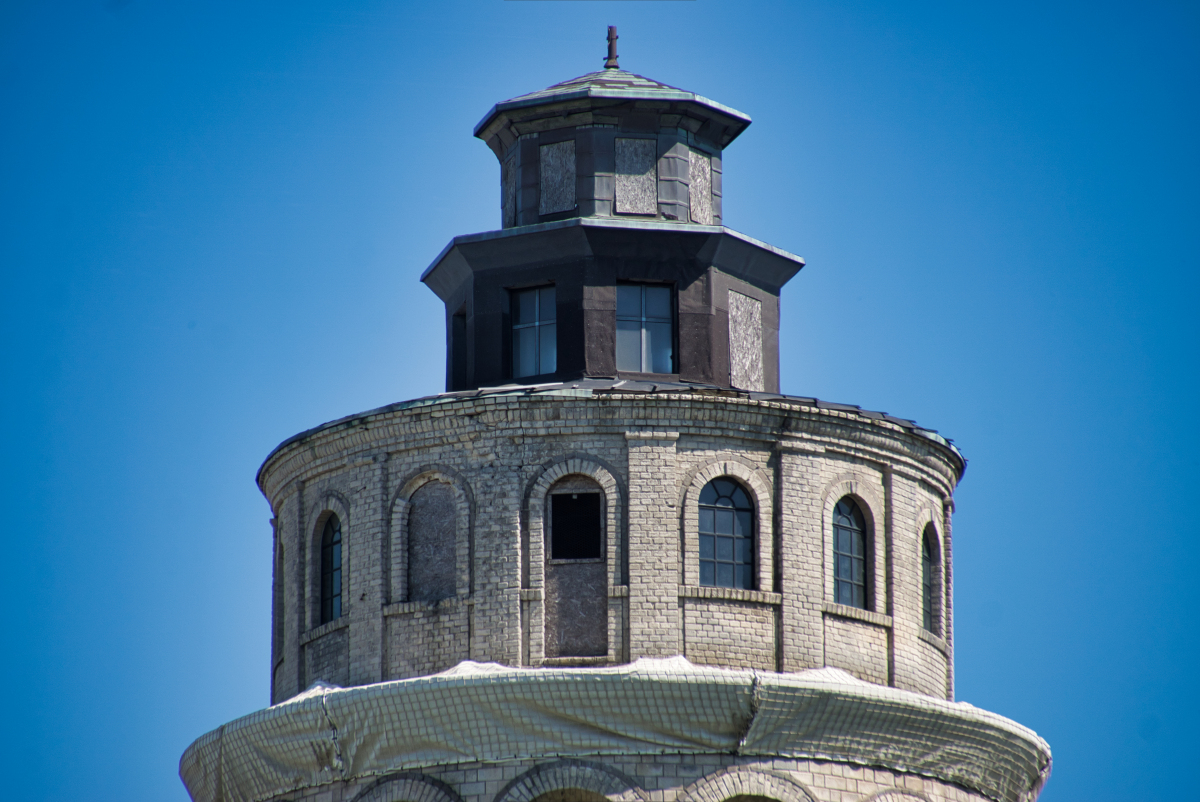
610	144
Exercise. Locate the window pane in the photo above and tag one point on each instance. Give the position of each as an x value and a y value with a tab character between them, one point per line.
337	557
724	575
525	307
658	347
707	549
745	554
658	303
843	567
337	608
725	549
724	522
629	300
548	350
708	573
860	598
546	308
745	524
740	499
629	345
858	571
706	518
744	577
524	352
337	584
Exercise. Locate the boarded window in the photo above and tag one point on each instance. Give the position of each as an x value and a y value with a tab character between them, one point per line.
637	176
508	192
576	619
700	190
557	184
745	342
431	542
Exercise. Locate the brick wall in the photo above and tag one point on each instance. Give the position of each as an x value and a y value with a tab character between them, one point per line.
651	455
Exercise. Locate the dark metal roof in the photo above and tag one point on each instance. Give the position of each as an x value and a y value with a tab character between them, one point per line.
609	83
606	386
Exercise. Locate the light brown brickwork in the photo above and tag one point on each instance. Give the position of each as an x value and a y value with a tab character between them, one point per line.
650	455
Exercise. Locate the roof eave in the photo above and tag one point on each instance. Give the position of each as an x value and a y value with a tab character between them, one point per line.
618	94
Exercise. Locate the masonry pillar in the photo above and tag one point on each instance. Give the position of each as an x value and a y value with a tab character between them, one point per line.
654	615
801	558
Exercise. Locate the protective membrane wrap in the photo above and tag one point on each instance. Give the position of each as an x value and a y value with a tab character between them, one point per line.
491	713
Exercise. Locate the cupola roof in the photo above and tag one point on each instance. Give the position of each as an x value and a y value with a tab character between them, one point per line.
609	85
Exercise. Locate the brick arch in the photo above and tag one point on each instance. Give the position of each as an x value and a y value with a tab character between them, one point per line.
533	546
760	492
408	787
741	781
395	554
564	775
870	501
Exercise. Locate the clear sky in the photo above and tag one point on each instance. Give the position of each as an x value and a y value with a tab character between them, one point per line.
214	216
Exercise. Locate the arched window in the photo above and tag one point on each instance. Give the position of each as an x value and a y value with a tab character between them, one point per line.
849	555
930	562
726	535
331	570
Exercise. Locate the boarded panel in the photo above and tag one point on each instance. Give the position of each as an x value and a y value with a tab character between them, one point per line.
431	536
576	609
508	192
637	177
557	177
700	189
745	342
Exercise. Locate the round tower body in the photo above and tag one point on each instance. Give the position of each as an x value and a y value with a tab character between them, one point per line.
612	561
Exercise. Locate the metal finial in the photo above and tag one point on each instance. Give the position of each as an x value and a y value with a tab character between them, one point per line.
611	62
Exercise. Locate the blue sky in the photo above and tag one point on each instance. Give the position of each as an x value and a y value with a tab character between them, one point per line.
213	220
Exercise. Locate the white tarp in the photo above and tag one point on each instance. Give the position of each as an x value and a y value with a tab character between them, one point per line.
491	713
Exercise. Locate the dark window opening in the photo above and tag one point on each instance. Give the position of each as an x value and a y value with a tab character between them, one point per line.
929	595
849	555
534	332
645	329
331	570
726	535
575	527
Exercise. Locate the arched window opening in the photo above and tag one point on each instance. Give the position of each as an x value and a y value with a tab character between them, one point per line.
726	535
331	570
576	613
930	598
849	555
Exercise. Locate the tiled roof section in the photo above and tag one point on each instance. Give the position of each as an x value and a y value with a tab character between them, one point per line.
601	386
